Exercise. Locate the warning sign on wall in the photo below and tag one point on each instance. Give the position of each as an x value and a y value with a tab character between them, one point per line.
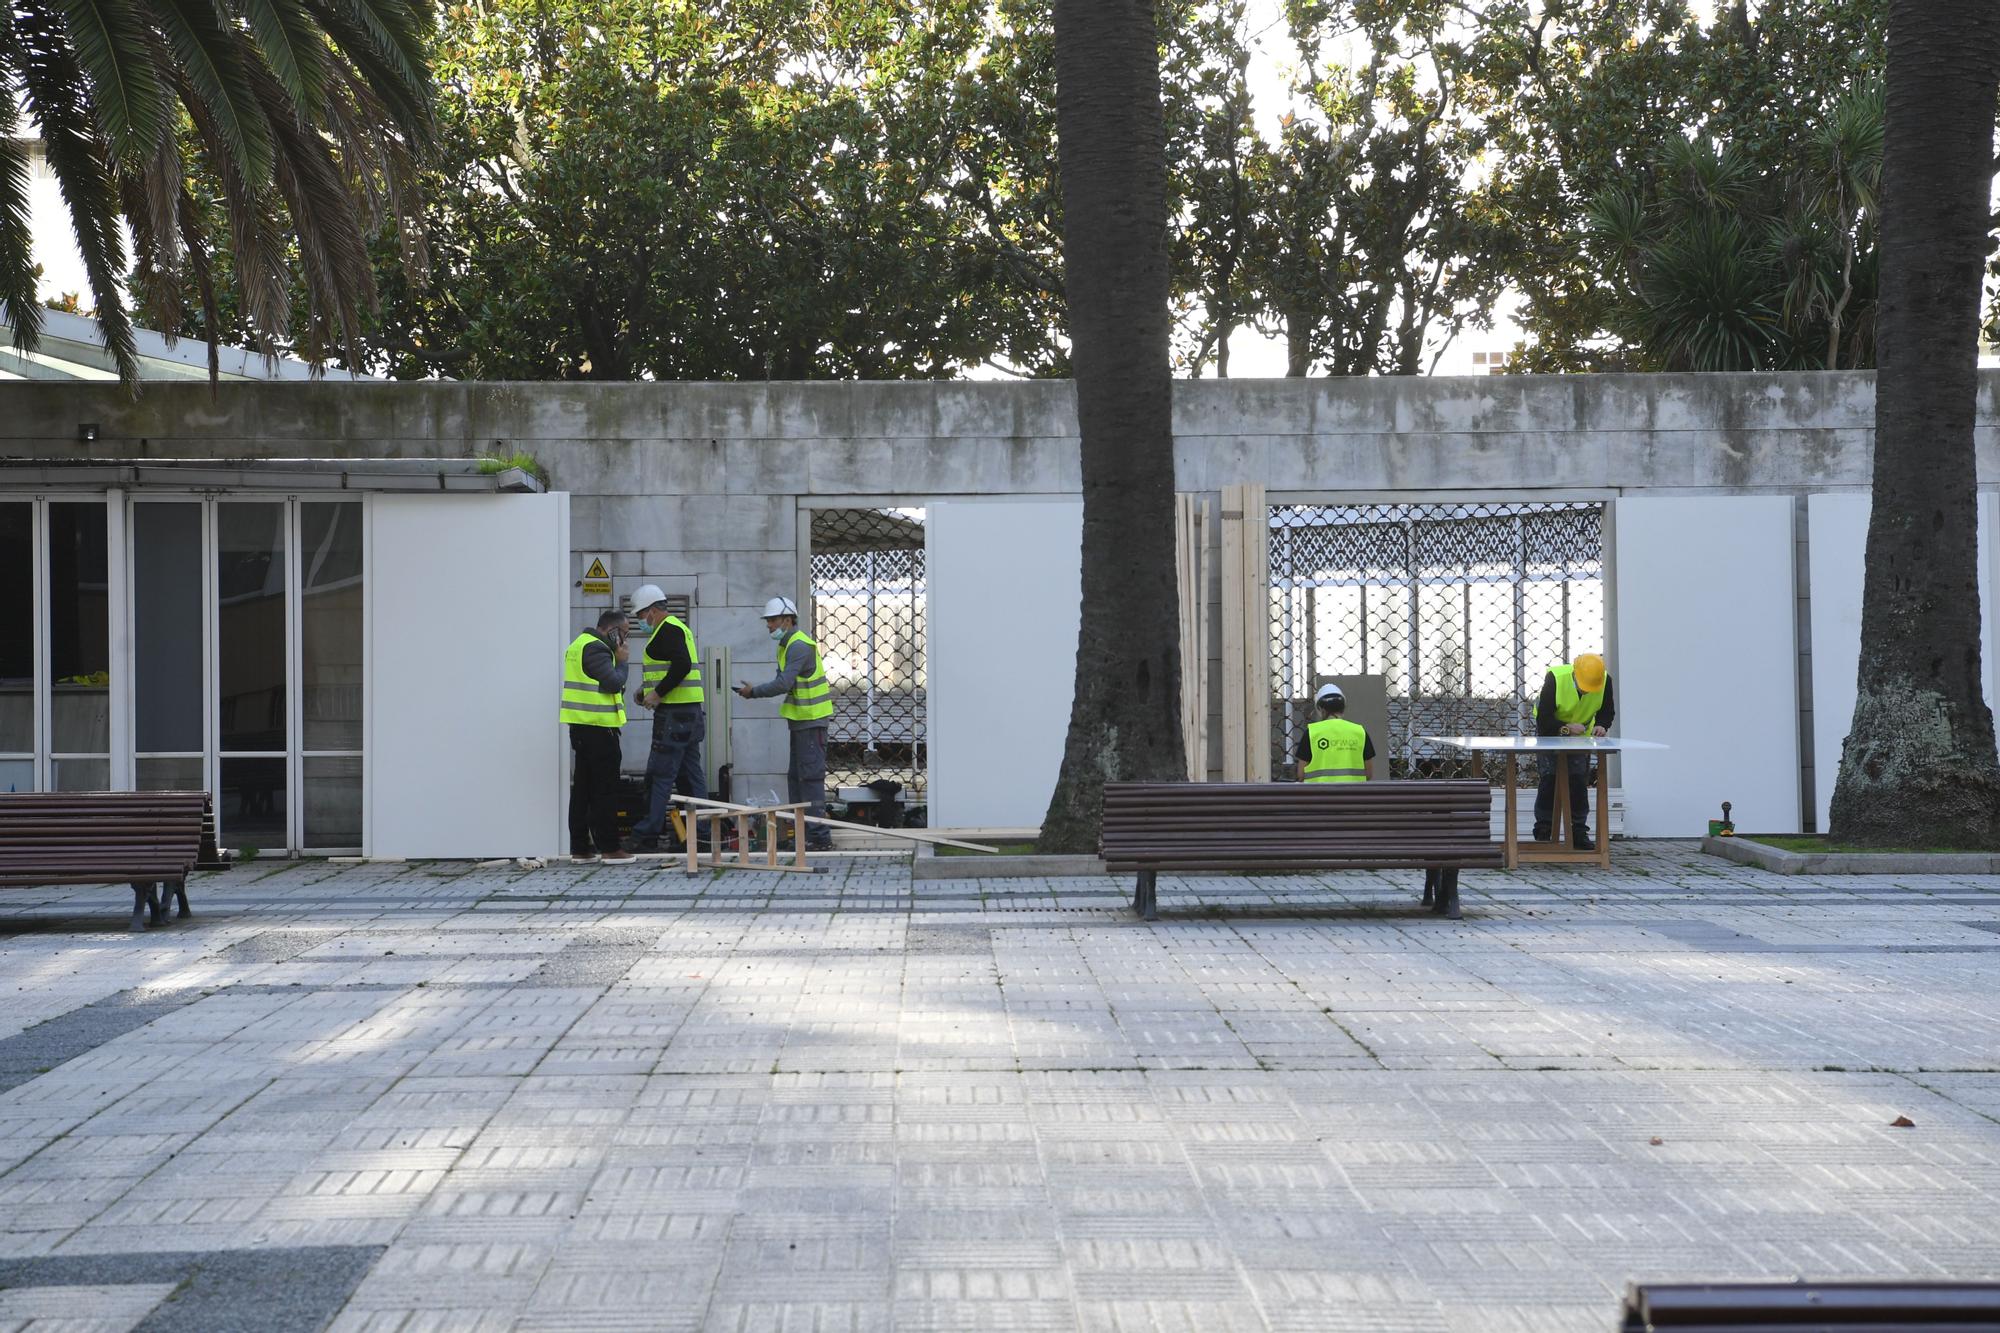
597	578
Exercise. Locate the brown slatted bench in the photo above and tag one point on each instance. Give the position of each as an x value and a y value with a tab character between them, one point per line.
1812	1307
1440	828
148	839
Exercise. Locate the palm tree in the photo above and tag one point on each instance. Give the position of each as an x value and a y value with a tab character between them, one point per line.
1919	767
1111	140
301	116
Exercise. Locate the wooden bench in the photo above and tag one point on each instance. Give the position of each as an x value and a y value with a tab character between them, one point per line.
148	839
1865	1307
1440	828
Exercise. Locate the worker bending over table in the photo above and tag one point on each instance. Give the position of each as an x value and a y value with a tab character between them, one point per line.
1334	749
1575	701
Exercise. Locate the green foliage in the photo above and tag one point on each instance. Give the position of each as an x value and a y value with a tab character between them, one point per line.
299	112
1725	267
1591	97
693	190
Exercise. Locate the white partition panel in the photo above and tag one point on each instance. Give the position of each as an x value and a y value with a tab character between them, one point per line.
1838	528
1707	662
1000	647
467	615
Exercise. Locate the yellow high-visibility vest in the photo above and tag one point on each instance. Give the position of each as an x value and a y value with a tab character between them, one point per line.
585	703
810	697
1337	750
689	690
1572	705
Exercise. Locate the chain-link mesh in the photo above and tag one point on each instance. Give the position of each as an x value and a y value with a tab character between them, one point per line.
868	615
1460	608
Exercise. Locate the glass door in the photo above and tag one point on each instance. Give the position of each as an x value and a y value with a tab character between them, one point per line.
169	630
253	735
19	600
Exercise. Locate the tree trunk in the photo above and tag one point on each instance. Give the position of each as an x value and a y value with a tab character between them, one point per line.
1125	722
1919	768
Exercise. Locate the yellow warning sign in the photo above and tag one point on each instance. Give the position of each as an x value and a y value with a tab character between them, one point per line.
597	579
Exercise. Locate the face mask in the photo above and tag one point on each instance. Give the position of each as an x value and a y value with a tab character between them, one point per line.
778	633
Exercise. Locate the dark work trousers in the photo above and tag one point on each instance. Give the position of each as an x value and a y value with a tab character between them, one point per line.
1579	794
805	780
593	790
674	765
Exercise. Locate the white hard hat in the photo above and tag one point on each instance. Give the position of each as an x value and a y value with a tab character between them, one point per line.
646	594
1328	691
780	606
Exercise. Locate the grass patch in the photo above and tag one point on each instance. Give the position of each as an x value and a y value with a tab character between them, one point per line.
1810	842
1006	849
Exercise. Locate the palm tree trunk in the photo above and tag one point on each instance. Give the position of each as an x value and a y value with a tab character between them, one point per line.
1919	768
1125	721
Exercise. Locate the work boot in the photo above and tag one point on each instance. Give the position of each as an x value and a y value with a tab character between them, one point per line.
618	856
1541	833
639	843
1582	841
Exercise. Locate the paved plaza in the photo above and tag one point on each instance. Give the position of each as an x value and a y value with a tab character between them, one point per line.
380	1097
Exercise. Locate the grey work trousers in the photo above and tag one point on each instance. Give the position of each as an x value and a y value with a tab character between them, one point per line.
805	780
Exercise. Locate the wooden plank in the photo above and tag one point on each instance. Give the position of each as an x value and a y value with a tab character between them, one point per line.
1257	632
1234	720
910	834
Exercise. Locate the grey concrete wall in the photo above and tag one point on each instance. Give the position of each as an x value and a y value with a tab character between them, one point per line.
708	479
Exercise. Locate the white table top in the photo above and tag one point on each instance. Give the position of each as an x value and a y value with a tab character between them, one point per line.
1545	743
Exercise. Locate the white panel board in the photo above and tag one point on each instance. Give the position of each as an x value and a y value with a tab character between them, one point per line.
468	612
1837	525
1000	649
1707	663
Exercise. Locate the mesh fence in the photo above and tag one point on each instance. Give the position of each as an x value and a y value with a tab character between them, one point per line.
868	615
1460	608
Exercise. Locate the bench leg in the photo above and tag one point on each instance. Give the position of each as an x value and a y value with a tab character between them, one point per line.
1145	899
1430	886
145	904
1446	901
179	889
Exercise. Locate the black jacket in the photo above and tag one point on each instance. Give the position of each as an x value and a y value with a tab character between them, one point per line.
603	666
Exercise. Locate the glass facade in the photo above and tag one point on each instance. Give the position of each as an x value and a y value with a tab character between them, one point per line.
245	656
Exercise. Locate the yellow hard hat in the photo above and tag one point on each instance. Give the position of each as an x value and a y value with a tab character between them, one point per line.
1589	672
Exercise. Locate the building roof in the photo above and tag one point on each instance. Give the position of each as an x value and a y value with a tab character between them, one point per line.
72	349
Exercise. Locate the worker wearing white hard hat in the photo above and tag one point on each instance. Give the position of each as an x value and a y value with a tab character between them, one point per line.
1332	748
807	709
671	687
1575	701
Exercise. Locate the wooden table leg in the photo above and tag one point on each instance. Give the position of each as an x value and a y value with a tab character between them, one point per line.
771	841
1510	835
798	839
693	845
1559	821
1603	811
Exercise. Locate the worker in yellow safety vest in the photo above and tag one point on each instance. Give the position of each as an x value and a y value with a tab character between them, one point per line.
593	707
1334	749
807	710
671	687
1575	701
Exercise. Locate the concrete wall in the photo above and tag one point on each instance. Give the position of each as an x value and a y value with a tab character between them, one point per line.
708	480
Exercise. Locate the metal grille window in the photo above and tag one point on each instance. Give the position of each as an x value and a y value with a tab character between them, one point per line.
1459	607
868	614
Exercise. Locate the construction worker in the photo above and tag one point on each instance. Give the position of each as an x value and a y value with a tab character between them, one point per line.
670	685
807	709
1575	701
593	705
1334	749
